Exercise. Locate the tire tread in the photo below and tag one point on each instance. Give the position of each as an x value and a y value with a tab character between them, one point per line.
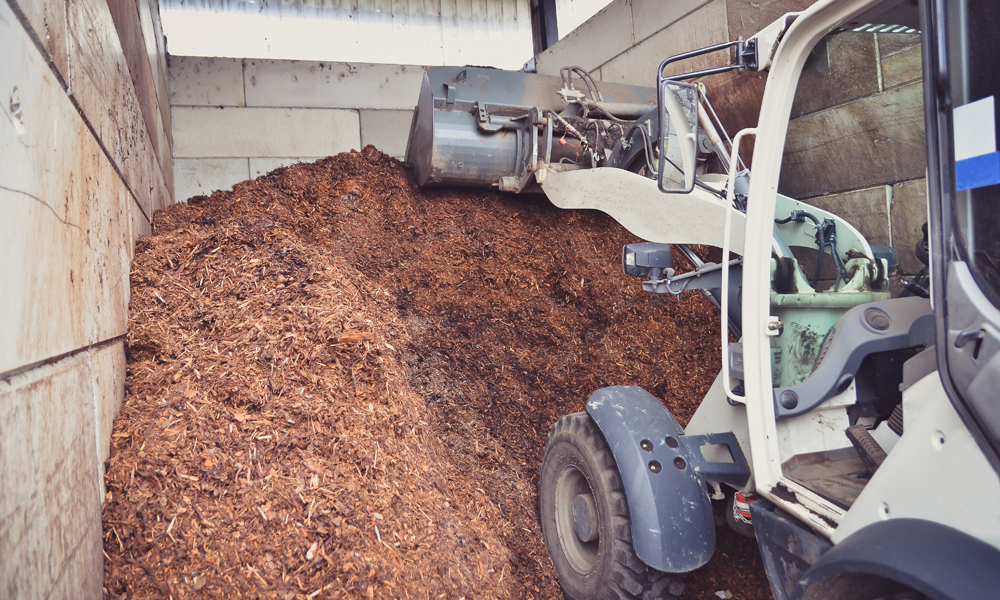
631	579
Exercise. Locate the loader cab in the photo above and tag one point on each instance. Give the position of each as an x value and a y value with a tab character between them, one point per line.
849	287
848	216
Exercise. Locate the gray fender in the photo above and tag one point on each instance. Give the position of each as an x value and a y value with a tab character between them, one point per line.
662	472
933	559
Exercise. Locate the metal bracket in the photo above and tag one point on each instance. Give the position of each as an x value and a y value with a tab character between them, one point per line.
527	154
706	277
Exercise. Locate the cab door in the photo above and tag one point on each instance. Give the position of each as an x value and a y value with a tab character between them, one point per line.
960	57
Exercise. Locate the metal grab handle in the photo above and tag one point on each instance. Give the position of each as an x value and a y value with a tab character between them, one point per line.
726	233
740	62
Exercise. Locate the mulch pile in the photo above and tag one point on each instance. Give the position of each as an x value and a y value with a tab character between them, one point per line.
339	385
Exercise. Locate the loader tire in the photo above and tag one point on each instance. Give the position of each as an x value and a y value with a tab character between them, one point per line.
585	519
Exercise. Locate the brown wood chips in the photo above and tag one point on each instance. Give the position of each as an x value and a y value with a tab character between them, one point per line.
339	385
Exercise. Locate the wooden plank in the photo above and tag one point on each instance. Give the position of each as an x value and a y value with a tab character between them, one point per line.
842	68
65	232
872	141
50	508
156	54
125	15
902	67
867	210
909	213
107	369
103	89
47	20
747	17
156	57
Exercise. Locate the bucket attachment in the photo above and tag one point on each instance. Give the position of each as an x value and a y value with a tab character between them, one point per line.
487	128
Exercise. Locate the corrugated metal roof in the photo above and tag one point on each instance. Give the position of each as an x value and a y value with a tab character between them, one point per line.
426	32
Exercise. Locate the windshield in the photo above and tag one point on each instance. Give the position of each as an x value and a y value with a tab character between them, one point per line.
975	82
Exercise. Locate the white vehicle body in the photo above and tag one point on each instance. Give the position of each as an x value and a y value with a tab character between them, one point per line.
936	471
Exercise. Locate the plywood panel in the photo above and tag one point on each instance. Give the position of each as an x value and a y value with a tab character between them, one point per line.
841	68
101	86
872	141
330	85
50	524
264	132
107	371
64	235
909	213
125	14
867	210
902	67
47	19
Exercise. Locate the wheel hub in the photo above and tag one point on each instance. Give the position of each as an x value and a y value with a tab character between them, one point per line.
577	521
585	518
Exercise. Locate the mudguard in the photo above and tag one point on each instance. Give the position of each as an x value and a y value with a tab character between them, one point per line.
938	561
662	471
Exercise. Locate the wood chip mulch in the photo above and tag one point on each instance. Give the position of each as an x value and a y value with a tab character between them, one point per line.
339	385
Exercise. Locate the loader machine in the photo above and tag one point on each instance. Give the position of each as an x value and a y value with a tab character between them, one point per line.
854	429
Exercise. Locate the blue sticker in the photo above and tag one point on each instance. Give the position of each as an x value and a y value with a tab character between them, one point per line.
978	171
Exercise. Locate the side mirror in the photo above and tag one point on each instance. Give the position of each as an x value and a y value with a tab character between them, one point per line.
678	136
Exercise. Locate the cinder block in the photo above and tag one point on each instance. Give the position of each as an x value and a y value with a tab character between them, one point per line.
263	166
202	176
264	132
50	508
199	81
387	130
867	210
704	27
909	213
307	84
602	37
650	16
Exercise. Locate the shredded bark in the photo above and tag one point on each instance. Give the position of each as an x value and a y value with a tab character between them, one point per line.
339	385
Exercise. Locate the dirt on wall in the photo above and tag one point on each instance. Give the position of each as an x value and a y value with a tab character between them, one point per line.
339	385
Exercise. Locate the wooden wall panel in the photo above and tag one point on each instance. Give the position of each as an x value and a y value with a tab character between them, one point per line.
125	14
47	20
872	141
65	229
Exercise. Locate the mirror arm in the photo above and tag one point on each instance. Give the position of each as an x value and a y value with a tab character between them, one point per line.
746	58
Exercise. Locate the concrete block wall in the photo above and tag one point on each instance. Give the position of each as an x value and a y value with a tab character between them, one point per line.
238	119
85	160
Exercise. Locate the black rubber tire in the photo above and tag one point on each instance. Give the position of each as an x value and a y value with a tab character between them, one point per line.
577	461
